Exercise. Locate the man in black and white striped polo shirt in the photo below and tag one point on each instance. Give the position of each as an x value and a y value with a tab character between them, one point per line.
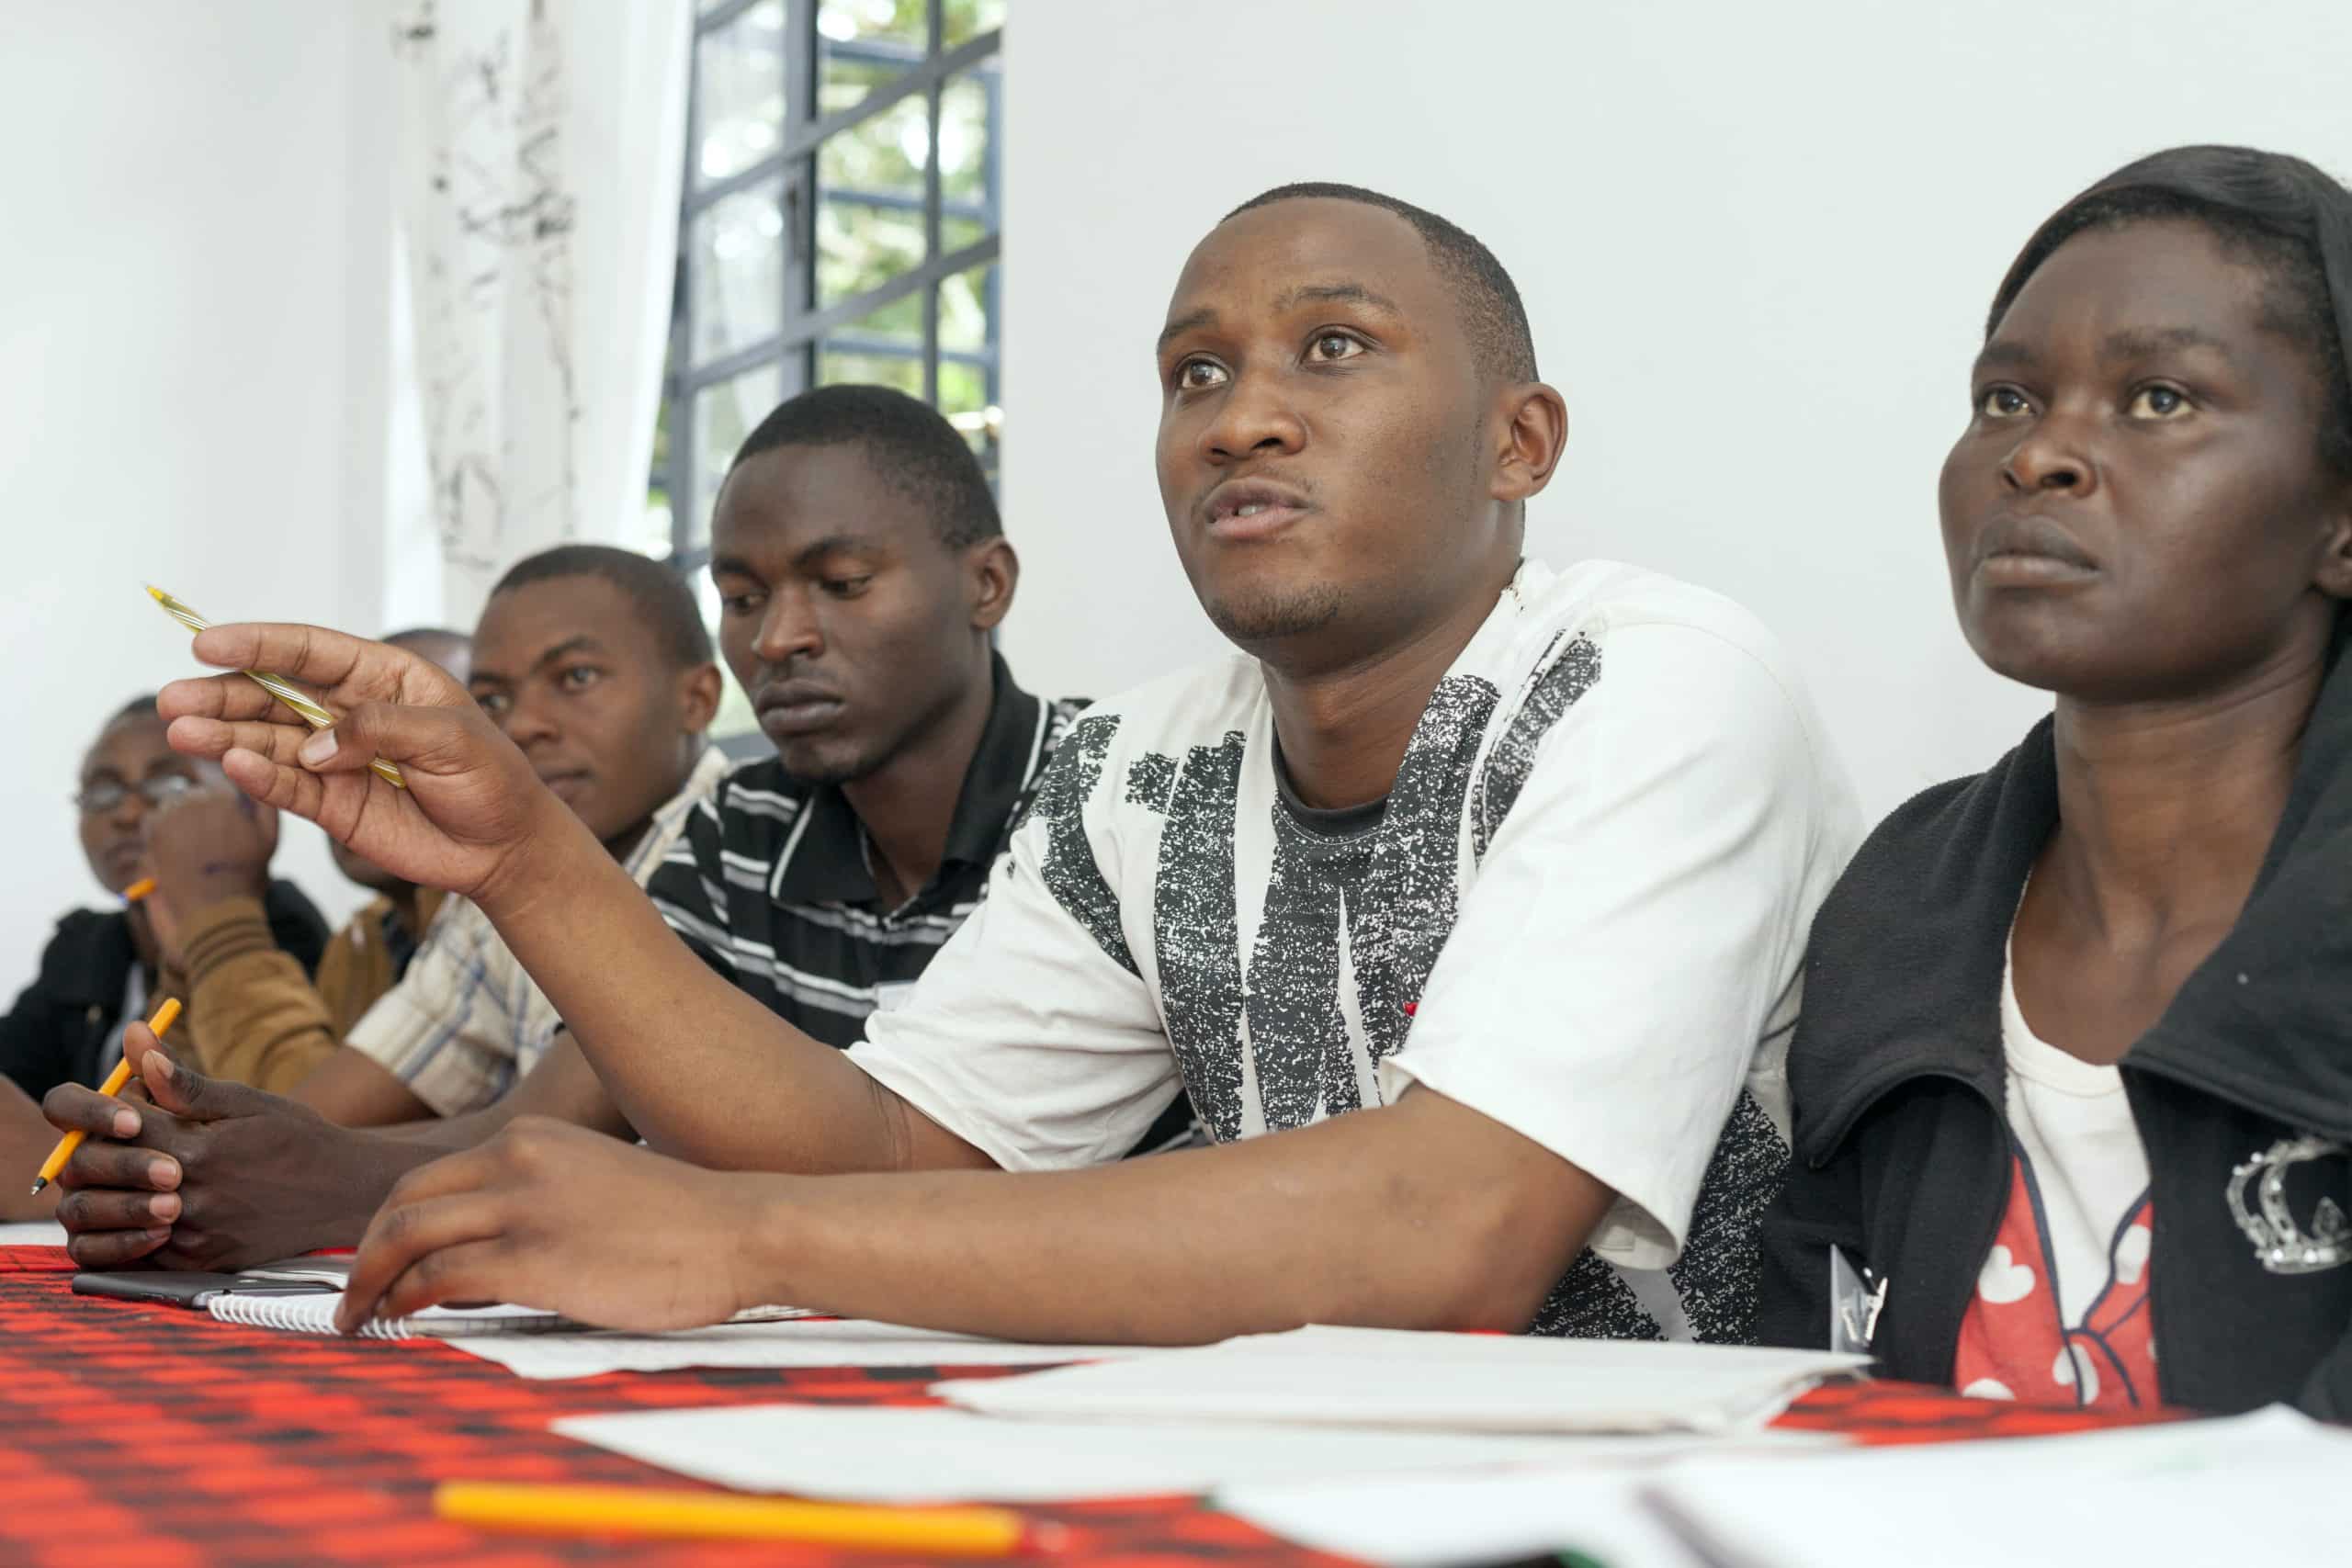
860	567
775	883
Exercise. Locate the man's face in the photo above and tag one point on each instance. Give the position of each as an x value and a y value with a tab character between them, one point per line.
850	624
129	755
568	668
1324	449
2137	508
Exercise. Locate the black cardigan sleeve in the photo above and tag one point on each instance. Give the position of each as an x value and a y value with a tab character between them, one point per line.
1817	1209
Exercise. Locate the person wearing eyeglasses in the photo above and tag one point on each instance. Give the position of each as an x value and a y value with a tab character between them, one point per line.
104	968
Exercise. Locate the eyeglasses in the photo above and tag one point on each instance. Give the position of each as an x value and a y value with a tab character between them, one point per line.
107	794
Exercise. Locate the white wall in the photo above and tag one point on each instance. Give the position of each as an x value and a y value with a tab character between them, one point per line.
1757	243
191	343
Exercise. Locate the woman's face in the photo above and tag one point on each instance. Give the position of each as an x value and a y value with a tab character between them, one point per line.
2138	510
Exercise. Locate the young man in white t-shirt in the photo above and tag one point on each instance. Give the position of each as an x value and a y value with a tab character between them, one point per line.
1482	888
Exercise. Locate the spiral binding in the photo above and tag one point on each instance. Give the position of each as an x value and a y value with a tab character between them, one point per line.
315	1314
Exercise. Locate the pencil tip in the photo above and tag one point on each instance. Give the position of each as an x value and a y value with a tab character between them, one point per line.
39	1184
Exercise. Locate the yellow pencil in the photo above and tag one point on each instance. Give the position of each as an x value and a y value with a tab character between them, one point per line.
163	1020
715	1515
138	890
278	686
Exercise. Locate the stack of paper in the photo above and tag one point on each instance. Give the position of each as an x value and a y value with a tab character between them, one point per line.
41	1233
1593	1508
2261	1488
939	1456
1396	1380
1316	1405
817	1343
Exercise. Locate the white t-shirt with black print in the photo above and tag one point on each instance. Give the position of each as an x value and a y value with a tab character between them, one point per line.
1582	912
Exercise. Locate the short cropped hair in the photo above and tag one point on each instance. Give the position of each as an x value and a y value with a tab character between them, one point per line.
658	593
912	447
1483	291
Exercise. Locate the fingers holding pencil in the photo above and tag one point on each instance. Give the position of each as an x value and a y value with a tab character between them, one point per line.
345	671
115	1080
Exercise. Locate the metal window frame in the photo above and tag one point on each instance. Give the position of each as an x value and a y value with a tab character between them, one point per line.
804	326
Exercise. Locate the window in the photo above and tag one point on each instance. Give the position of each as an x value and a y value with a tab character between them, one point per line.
841	222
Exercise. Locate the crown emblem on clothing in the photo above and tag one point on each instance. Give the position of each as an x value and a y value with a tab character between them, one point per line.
2280	1245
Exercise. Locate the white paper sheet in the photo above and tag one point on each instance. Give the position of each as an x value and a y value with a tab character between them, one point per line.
1368	1377
850	1343
1451	1521
2264	1488
39	1233
938	1456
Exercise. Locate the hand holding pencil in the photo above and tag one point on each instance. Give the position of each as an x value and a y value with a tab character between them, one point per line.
164	1017
279	686
472	804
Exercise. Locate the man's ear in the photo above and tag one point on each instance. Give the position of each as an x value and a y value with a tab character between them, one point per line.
1532	431
699	690
993	572
2332	576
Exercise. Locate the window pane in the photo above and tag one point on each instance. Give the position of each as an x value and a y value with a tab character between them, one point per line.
739	92
968	374
651	534
870	195
968	19
884	349
724	414
968	312
964	398
967	150
735	252
863	44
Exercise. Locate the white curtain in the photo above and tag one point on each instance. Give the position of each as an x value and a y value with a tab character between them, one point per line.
538	151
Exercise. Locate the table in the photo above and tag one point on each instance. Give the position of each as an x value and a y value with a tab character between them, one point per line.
153	1436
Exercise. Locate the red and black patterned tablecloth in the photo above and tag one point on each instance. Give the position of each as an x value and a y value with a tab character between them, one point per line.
156	1437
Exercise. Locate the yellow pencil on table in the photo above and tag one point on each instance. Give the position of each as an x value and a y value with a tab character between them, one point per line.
716	1516
278	686
165	1015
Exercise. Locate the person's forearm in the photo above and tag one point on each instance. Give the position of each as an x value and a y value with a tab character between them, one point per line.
560	1085
350	1176
1422	1215
698	1069
253	1015
377	1158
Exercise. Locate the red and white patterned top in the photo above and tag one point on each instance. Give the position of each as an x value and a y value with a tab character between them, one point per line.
2062	1314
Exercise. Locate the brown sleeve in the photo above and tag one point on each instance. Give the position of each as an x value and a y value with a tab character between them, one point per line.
253	1015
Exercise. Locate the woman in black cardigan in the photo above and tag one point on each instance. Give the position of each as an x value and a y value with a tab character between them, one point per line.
2073	1084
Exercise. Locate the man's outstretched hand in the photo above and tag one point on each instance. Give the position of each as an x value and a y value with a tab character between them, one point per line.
473	810
546	1214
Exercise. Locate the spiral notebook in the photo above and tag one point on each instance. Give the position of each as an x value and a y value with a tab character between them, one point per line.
315	1314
